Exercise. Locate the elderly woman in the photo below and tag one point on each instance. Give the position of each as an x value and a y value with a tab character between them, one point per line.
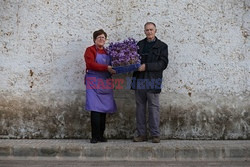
99	96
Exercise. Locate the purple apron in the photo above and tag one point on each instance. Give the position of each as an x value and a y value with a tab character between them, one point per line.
99	97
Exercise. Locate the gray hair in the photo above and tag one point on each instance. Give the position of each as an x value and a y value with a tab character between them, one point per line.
149	23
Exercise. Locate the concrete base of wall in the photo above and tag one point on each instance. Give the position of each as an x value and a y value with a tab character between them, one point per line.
125	150
61	115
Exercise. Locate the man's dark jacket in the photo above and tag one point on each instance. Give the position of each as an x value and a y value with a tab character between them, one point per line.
156	61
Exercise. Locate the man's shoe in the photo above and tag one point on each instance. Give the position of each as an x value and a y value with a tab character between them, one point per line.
93	140
140	138
102	139
156	139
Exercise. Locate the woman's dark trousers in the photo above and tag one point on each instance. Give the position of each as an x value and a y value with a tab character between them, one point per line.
98	121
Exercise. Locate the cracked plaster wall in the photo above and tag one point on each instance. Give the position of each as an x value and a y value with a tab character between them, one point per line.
206	85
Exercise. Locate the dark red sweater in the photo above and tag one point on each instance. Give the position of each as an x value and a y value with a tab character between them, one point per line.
90	56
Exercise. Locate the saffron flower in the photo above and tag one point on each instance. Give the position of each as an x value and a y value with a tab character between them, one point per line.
124	53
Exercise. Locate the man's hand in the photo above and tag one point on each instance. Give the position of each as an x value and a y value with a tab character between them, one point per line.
142	68
110	70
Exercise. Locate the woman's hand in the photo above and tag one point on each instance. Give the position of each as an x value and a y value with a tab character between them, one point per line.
110	70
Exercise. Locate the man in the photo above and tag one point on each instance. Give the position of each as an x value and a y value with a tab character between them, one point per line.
147	83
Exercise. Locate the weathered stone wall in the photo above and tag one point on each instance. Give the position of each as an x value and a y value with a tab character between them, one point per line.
206	91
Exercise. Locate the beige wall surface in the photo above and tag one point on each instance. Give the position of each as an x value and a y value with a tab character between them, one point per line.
206	87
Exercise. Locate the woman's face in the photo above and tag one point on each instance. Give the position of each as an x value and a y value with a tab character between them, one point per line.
100	40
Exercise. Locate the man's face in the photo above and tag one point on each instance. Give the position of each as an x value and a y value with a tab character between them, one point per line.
150	31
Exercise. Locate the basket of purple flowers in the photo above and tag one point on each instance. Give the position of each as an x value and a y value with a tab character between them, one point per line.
124	56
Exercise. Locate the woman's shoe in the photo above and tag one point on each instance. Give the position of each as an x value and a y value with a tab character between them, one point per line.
102	139
93	140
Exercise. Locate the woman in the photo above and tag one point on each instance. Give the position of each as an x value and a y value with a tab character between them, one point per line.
99	98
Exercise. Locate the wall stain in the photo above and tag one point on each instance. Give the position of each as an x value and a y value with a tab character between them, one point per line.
31	84
31	73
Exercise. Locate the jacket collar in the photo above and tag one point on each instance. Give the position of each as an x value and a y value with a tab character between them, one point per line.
157	42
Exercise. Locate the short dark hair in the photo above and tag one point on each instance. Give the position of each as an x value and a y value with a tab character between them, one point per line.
149	23
99	32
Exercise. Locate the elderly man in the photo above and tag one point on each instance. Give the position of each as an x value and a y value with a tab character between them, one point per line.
147	83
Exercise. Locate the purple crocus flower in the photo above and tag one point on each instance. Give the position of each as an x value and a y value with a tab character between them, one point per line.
124	53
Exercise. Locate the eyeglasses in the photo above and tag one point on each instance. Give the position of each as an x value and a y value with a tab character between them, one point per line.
101	38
